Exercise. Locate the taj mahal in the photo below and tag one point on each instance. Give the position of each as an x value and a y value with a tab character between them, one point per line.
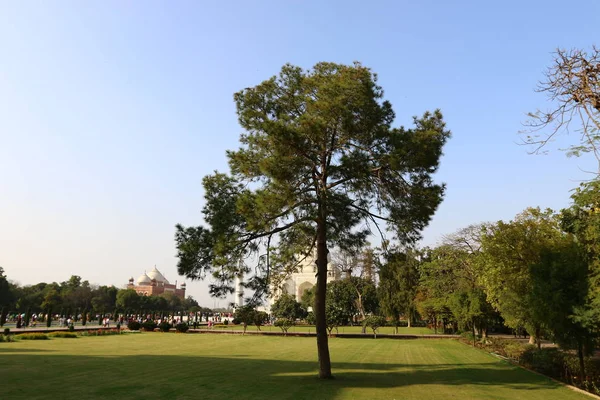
296	284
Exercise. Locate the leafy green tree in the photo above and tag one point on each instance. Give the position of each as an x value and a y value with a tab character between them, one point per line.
286	306
260	317
32	296
559	294
583	220
245	315
509	249
189	302
322	159
7	296
174	303
103	298
431	298
358	270
284	324
398	284
374	322
340	303
52	298
127	299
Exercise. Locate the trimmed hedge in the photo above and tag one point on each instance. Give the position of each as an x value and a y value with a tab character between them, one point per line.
182	327
164	326
33	336
65	335
149	326
134	326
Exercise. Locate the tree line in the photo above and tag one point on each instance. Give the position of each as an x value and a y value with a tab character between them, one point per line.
537	274
76	297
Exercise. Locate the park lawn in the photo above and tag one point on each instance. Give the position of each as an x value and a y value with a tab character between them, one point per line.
342	329
201	366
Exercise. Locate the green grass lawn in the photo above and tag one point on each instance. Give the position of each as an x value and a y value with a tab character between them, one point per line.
341	329
202	366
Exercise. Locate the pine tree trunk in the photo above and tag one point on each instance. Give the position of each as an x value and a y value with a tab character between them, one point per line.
321	323
409	321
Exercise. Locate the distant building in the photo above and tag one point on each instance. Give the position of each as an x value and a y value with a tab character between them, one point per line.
154	284
301	281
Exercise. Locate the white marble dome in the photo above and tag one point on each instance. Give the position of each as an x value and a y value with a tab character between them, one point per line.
156	275
144	279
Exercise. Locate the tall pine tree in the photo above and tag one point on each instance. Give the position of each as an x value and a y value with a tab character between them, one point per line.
320	165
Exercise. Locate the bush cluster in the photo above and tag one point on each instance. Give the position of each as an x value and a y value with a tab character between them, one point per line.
6	338
553	362
182	327
164	327
33	336
149	326
134	326
99	332
66	335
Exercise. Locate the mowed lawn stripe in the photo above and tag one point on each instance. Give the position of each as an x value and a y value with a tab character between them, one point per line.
192	366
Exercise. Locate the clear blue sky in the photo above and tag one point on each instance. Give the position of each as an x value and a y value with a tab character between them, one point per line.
112	112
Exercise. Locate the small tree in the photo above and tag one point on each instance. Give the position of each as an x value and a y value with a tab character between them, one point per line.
245	315
284	324
49	317
259	318
27	316
334	315
374	322
84	317
286	306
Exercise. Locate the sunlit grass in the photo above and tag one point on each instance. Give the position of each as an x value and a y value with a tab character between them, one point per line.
203	366
342	329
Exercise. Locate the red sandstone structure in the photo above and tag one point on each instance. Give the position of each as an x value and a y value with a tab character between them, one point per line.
154	283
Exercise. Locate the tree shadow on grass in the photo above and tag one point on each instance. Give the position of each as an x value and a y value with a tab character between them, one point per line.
193	377
17	350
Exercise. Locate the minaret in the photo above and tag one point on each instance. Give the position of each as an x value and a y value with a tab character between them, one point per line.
239	290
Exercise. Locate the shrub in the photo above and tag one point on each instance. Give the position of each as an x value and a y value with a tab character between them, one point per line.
149	326
374	322
65	335
6	331
236	321
6	338
164	327
182	327
226	322
515	350
33	336
549	362
99	332
71	328
134	326
284	324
